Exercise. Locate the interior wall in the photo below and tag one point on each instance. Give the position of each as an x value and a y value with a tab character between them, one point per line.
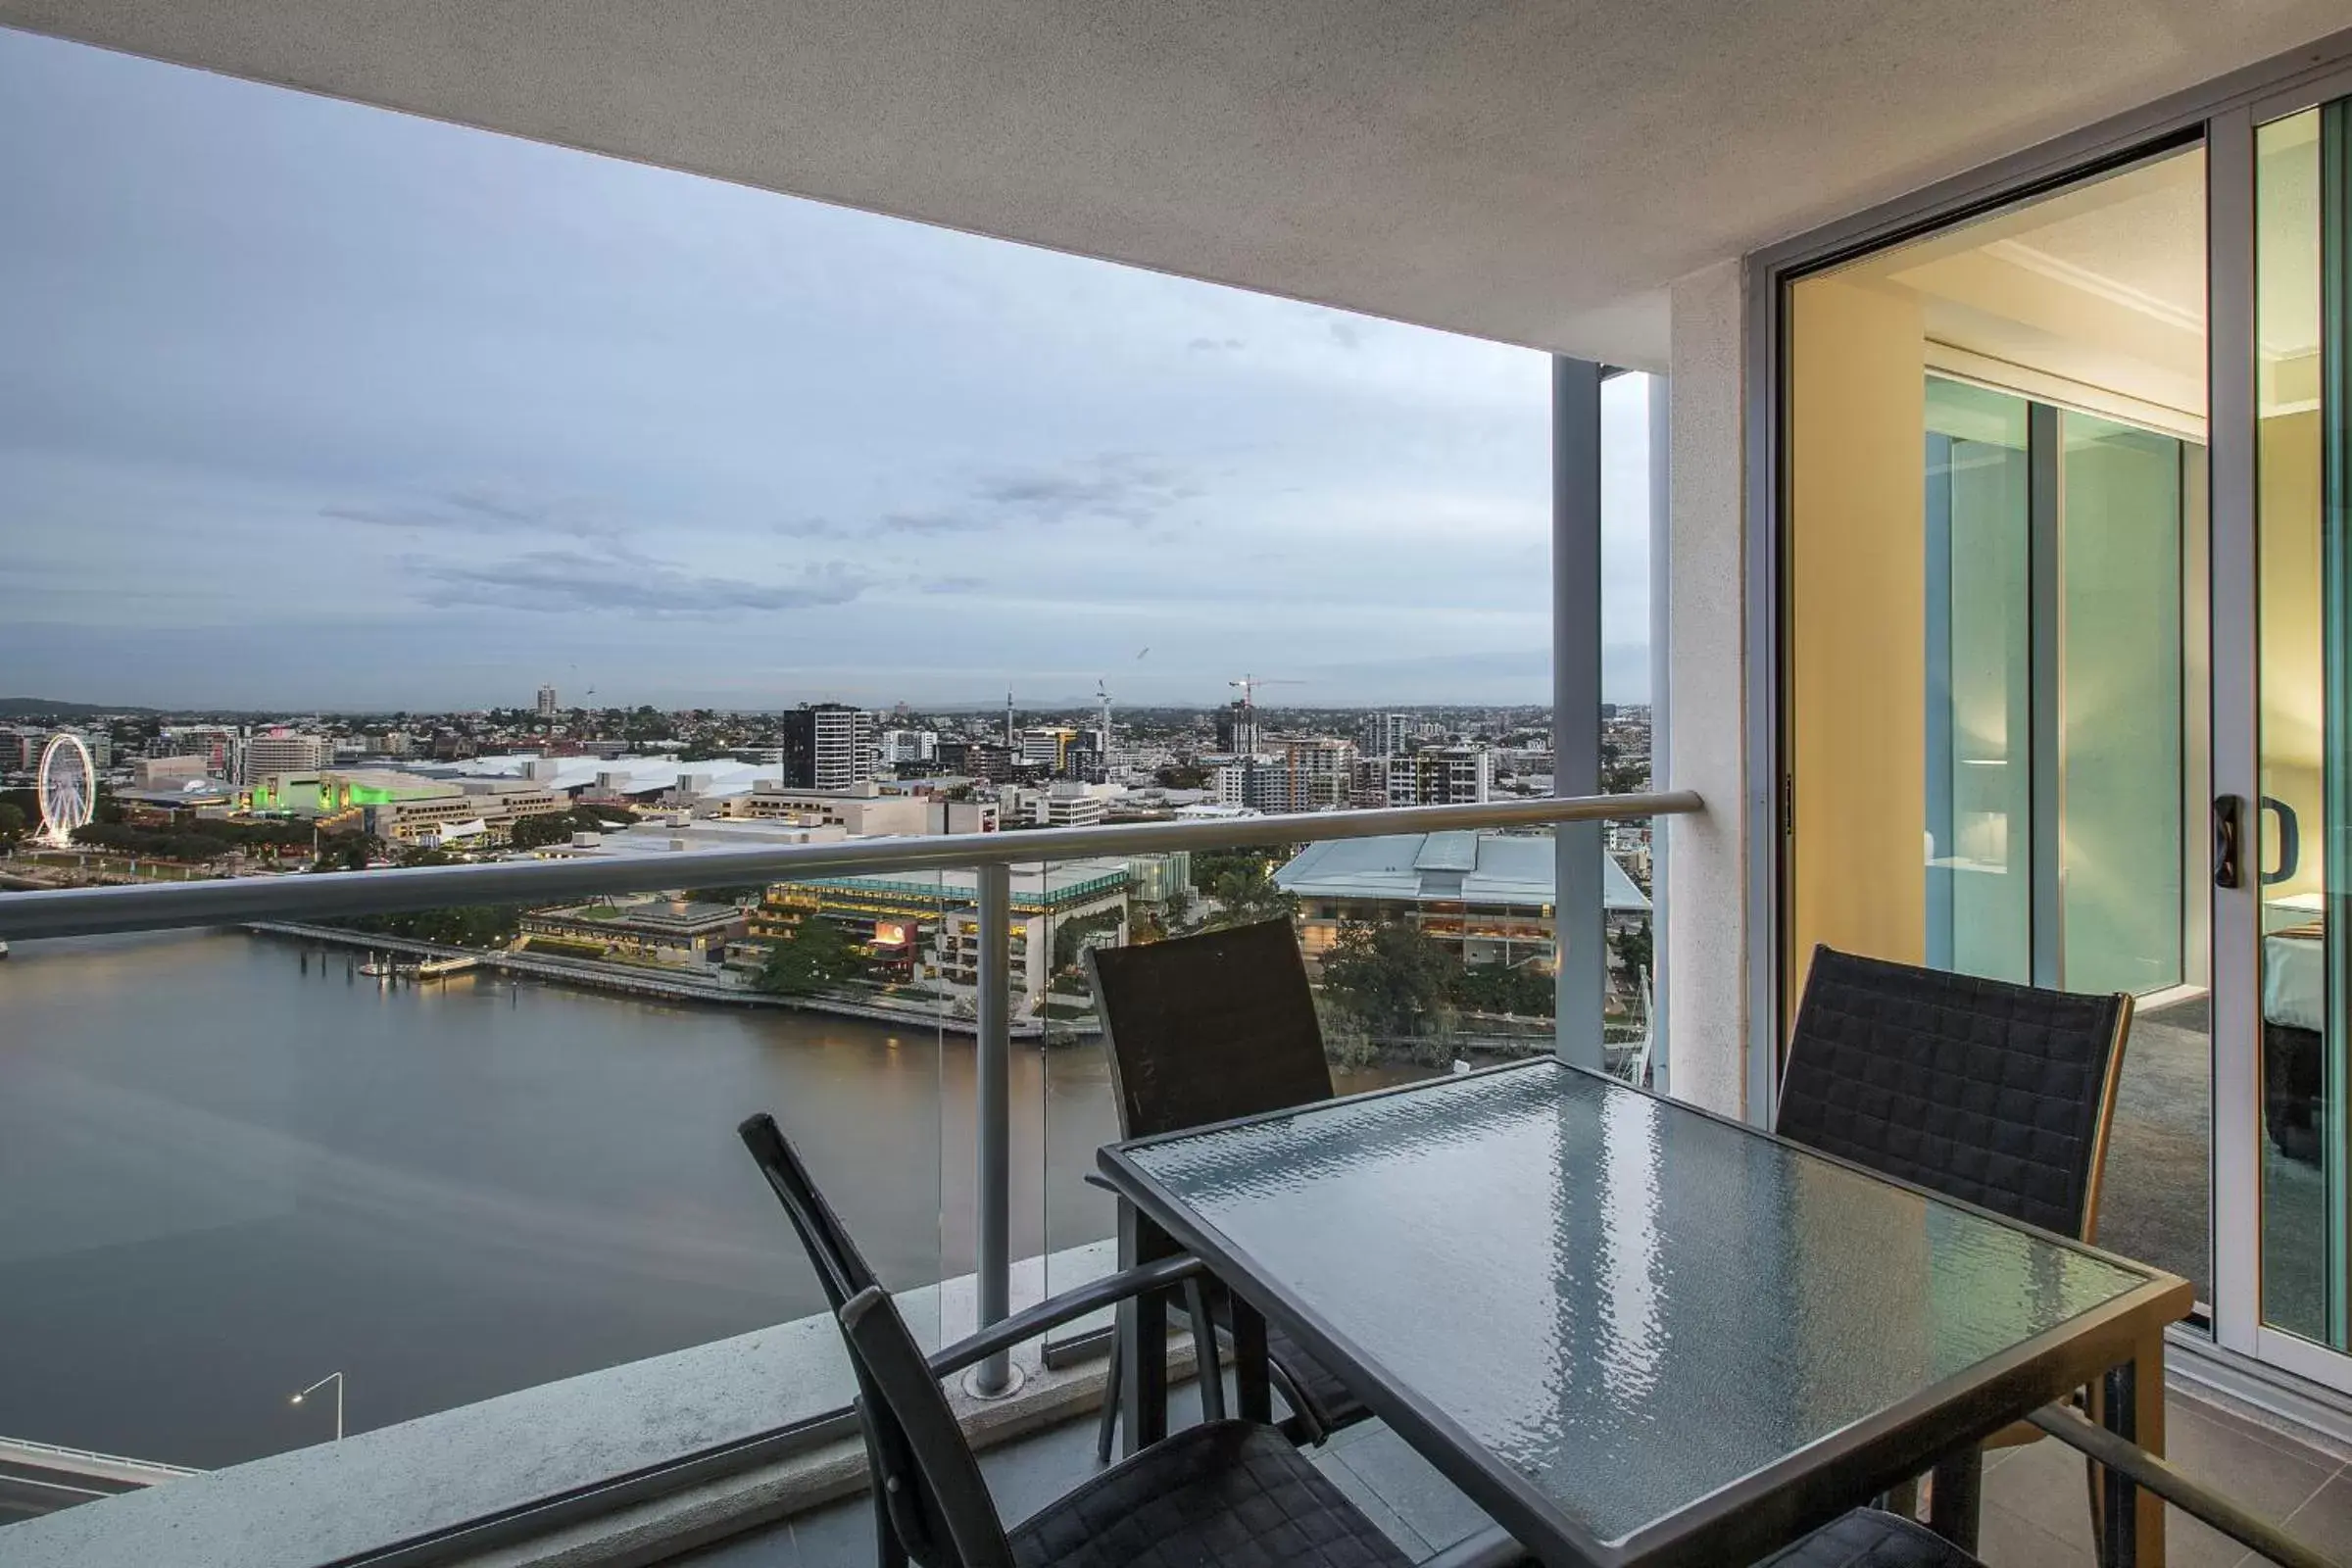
1856	605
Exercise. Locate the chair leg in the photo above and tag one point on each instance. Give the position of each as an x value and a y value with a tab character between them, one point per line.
2098	1522
1305	1427
1208	1376
888	1552
1106	1429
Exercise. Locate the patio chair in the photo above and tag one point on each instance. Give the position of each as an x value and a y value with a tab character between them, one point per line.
1995	1094
1203	1029
1218	1494
1221	1493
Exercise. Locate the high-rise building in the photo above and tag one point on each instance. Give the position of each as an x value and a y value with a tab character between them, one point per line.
281	752
977	760
1385	734
216	745
1236	728
902	747
1442	775
1047	748
1260	783
1322	773
828	746
547	701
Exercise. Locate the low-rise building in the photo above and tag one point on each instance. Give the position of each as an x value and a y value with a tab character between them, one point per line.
863	812
1162	878
1487	896
168	772
648	930
926	924
404	807
962	816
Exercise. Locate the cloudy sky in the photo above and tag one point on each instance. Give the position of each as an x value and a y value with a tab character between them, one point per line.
309	404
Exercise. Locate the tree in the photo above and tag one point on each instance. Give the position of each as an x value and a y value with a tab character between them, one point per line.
1503	987
1181	776
817	957
474	925
13	823
1394	978
1246	894
1210	864
1633	946
537	832
348	852
1071	937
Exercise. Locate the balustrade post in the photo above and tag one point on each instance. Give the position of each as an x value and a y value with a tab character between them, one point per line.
994	1077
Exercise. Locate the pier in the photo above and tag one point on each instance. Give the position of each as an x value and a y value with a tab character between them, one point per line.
435	961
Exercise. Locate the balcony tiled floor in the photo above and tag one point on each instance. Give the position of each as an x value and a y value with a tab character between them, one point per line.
2035	1512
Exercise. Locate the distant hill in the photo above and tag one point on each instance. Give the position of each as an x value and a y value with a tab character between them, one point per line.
48	708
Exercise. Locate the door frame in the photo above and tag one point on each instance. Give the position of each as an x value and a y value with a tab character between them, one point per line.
2220	114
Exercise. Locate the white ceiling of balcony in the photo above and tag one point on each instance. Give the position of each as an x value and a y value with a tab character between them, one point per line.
1534	173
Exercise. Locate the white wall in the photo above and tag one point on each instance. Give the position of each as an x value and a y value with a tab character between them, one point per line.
1704	968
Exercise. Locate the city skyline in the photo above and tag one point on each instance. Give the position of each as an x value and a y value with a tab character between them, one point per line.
419	415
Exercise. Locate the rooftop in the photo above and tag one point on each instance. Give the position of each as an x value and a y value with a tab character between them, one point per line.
1431	867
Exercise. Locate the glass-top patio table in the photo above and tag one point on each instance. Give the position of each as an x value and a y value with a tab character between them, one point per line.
1633	1332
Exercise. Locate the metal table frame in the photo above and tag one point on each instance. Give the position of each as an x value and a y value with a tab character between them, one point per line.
2118	1345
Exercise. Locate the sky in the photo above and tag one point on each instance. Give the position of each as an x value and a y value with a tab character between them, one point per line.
305	405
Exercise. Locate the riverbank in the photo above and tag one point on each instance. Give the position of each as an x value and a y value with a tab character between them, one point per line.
639	981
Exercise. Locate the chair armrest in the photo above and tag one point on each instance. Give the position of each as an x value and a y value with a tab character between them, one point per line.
1092	1296
2143	1469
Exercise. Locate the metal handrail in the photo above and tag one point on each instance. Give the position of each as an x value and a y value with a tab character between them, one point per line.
60	1451
94	912
2175	1486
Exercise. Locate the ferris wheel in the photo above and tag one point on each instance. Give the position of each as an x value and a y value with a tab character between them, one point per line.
68	788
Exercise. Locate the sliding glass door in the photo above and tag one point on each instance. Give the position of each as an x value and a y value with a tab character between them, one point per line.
1997	712
2066	683
2300	827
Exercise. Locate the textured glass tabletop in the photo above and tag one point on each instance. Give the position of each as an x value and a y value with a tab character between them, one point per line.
1629	1304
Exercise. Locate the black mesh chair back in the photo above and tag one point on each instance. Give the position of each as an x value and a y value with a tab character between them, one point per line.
1203	1029
927	1485
1994	1094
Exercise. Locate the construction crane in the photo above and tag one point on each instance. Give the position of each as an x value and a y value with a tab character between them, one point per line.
1248	686
1103	707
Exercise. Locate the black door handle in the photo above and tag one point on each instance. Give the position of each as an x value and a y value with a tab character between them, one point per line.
2226	812
2290	840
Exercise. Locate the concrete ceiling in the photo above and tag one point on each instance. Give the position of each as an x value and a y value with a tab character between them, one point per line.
1529	171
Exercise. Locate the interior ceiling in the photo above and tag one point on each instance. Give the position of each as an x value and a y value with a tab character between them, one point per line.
2102	285
1535	172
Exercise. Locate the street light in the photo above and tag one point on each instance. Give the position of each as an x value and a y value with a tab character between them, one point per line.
336	1378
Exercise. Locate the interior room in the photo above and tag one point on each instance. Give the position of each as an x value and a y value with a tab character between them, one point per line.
1999	703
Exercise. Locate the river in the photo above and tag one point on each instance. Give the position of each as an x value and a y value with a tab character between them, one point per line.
229	1166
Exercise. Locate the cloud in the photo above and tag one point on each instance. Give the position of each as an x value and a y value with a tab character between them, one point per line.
1112	486
1217	345
809	529
481	510
942	521
1345	333
570	580
953	585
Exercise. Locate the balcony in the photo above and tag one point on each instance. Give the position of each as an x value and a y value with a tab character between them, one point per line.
1996	496
435	1175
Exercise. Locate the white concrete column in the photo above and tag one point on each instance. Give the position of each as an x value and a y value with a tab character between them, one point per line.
1704	965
